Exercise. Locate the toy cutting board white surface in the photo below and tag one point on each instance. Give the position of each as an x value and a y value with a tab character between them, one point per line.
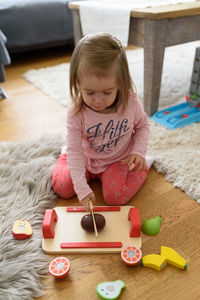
68	230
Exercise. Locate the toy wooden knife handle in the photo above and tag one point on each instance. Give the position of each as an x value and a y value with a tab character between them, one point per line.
91	205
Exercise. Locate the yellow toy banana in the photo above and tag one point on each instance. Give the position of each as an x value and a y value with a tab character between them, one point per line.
154	261
173	258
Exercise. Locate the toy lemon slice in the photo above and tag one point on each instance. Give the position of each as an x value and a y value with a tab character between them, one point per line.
131	255
59	267
110	290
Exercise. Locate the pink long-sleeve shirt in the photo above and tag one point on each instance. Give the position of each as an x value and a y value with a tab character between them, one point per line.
96	140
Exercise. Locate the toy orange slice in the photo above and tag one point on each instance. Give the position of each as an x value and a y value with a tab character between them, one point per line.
131	255
59	267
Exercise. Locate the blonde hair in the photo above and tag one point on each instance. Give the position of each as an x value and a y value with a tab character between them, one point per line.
97	53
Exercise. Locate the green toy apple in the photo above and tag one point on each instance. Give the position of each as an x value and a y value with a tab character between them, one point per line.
151	226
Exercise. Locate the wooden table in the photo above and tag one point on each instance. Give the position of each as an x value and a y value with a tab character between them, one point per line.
154	29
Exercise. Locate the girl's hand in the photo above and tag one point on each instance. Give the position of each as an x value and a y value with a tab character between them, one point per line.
85	201
135	161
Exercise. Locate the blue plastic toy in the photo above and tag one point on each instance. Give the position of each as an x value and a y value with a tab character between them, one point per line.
177	116
188	112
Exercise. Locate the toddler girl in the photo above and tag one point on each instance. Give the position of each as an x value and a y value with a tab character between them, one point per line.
107	129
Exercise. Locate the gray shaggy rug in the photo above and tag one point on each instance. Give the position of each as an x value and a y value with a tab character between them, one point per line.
25	193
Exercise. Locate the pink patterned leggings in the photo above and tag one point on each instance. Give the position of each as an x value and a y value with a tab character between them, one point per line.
118	184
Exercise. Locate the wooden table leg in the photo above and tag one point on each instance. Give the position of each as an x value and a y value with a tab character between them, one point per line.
154	47
77	26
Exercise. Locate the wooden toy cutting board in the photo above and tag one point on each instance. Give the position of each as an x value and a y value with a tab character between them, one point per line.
68	230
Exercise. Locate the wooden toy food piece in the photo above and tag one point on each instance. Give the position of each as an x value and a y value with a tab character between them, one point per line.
173	258
131	255
154	261
87	222
59	267
110	289
131	167
21	230
152	226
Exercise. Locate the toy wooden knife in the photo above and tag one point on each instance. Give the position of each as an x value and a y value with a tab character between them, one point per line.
92	213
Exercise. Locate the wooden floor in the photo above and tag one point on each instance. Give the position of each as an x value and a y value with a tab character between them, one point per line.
28	113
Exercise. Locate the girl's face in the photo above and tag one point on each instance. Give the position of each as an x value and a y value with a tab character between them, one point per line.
99	92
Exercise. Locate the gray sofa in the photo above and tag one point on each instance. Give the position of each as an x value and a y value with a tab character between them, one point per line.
34	24
4	60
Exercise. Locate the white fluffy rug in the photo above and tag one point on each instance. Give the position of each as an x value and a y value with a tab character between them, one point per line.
177	152
177	70
25	194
